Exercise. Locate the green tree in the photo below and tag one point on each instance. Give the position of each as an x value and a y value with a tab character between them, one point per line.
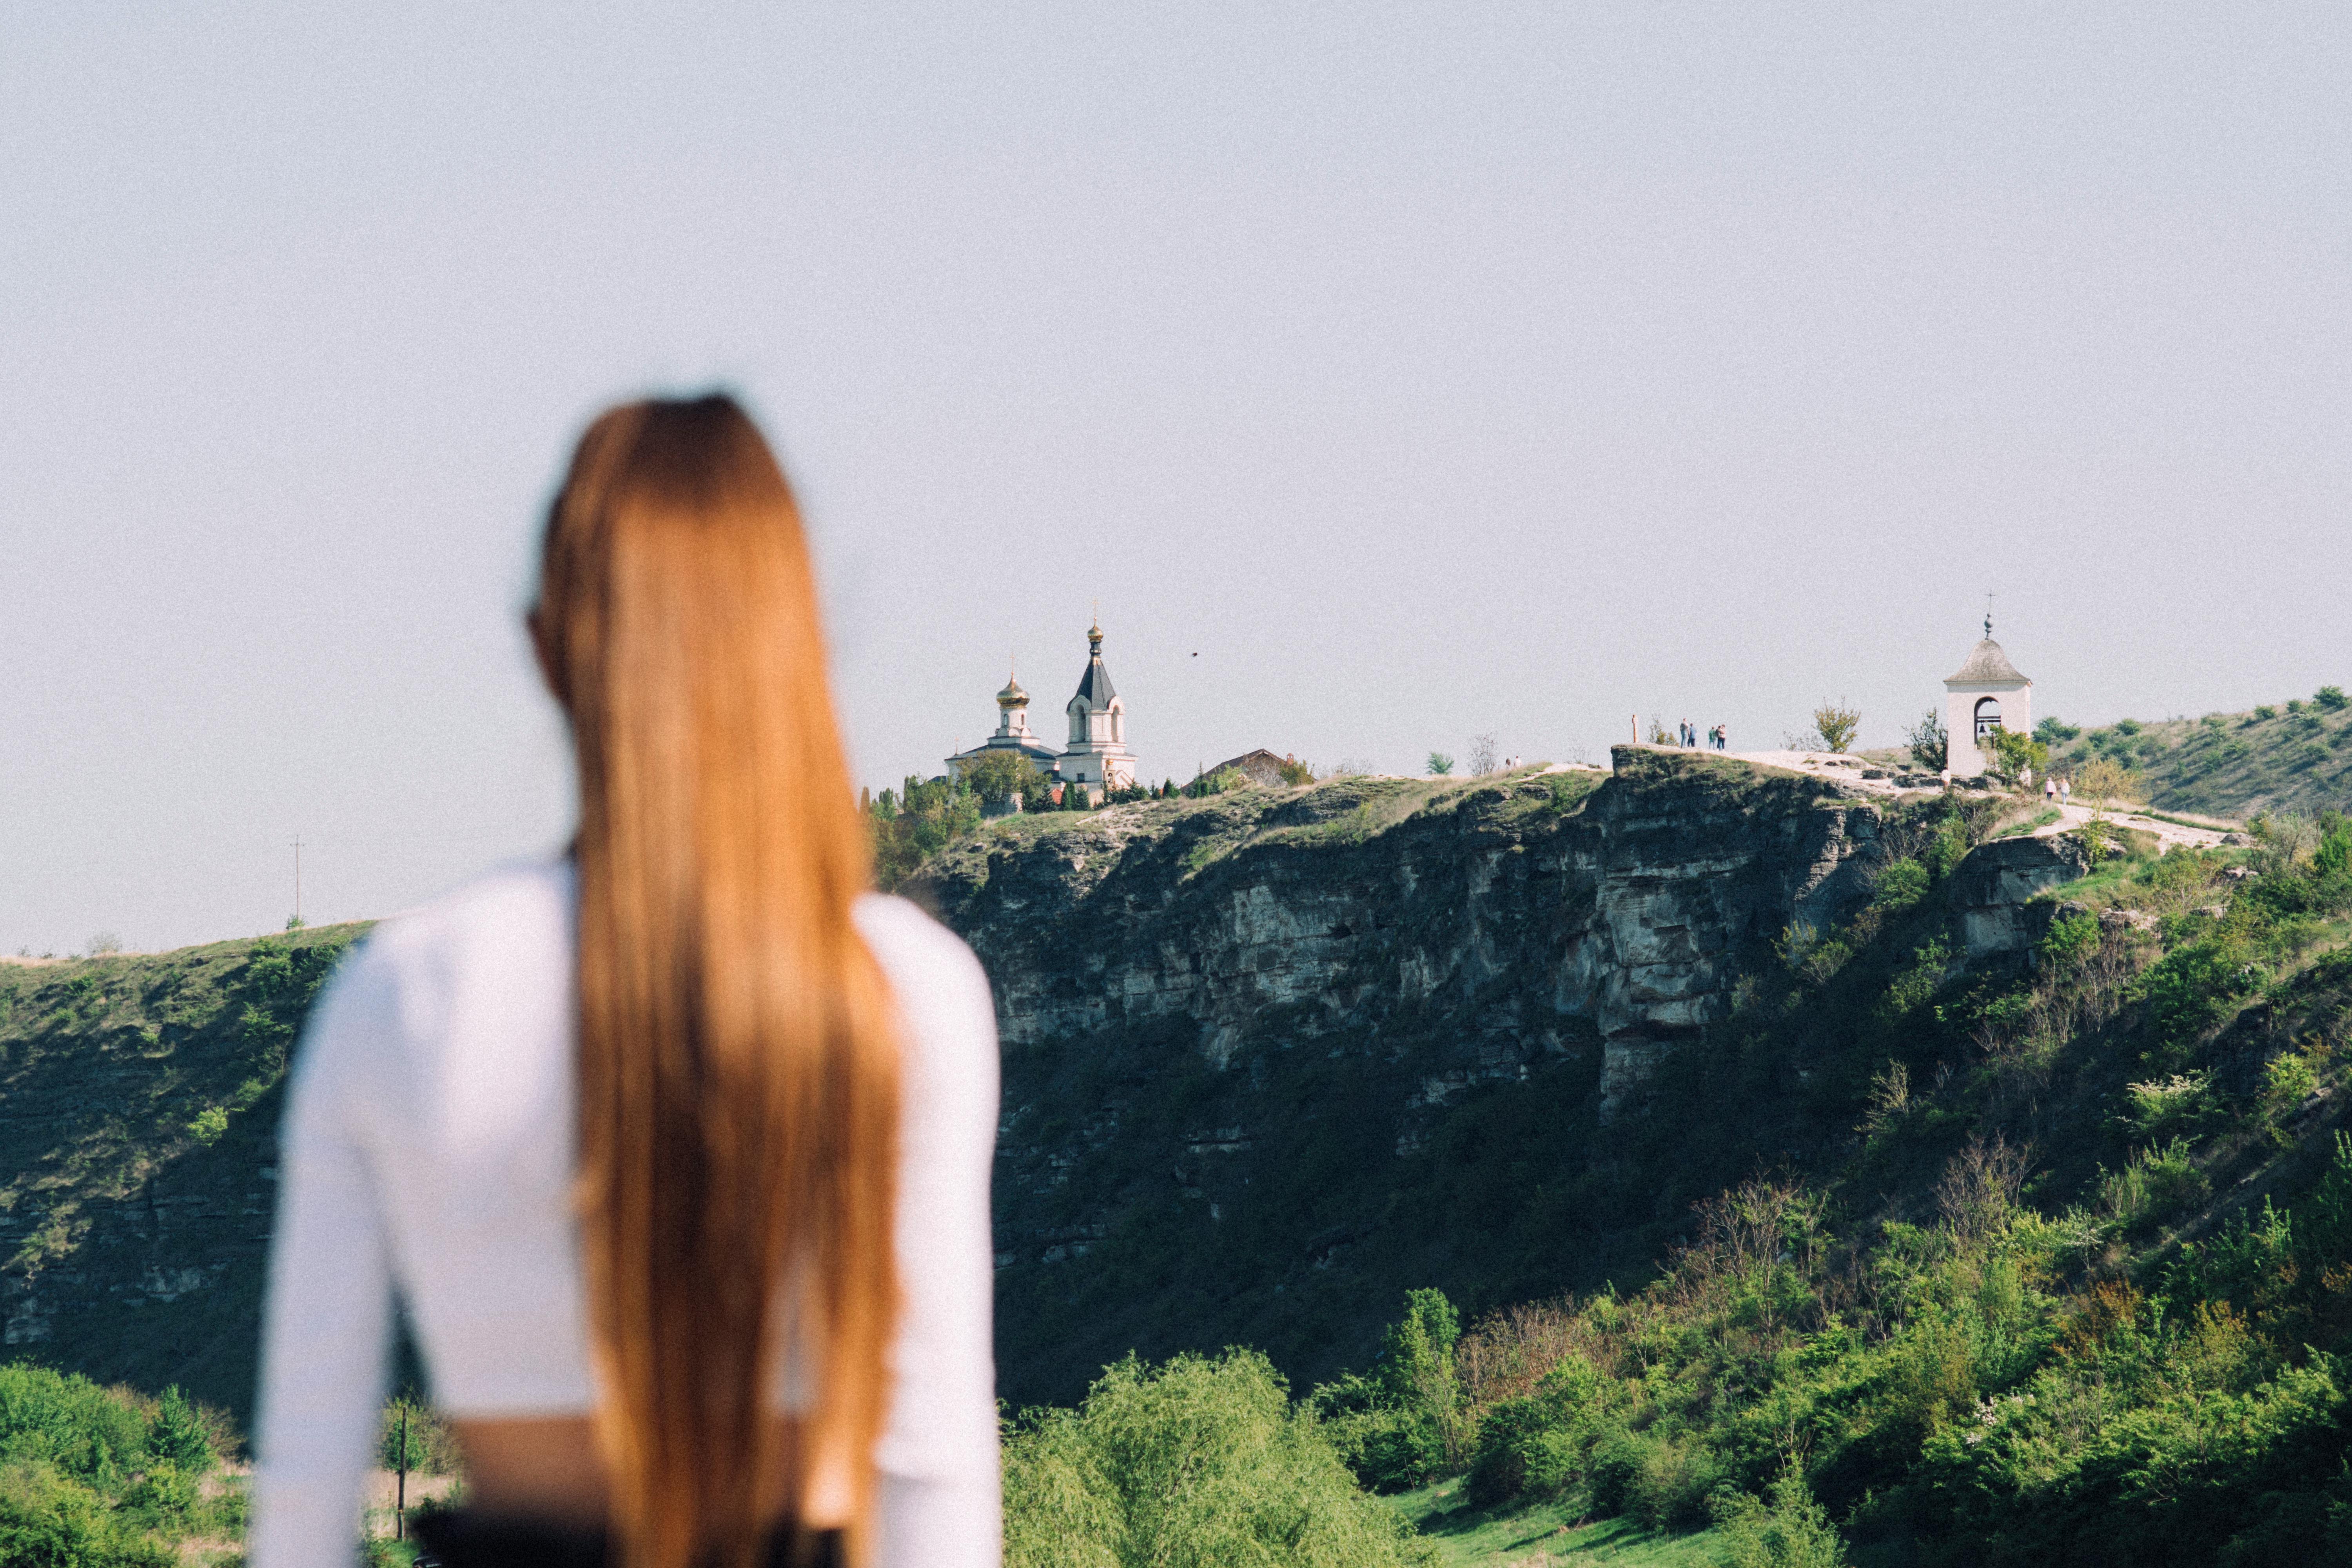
998	776
1835	723
1440	763
2010	754
178	1435
1931	746
924	818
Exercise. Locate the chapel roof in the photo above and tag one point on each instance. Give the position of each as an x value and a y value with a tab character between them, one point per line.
1987	663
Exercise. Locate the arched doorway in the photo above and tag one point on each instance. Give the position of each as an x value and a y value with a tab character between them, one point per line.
1988	716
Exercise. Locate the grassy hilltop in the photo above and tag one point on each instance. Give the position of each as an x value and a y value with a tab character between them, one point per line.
2292	756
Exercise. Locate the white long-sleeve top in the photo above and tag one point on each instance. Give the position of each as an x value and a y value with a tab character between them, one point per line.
428	1148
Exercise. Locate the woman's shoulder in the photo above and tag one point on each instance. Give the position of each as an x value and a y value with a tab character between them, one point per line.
941	992
496	930
910	943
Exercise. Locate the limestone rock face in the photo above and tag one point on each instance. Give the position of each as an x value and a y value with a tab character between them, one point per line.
1632	911
1993	889
1435	939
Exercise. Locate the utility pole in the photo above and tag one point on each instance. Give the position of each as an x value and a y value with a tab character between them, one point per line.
400	1501
297	880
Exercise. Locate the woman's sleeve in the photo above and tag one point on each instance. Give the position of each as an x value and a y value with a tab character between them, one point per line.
329	1312
939	1504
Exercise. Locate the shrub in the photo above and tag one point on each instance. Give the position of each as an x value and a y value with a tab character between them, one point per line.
2155	1184
1930	747
1836	723
1440	763
1918	981
178	1433
2195	986
2288	1081
2070	939
48	1520
1537	1443
2331	698
2012	754
911	826
2162	1105
997	776
1899	885
1794	1531
1196	1463
1224	781
1673	1478
2107	783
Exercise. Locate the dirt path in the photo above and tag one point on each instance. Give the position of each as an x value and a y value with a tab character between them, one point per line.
2169	835
1850	770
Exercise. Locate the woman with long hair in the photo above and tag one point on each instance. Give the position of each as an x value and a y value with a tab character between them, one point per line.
675	1148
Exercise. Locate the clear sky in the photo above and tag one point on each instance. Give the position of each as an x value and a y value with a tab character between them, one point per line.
1387	374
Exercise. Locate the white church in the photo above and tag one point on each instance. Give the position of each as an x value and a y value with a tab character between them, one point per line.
1096	759
1985	694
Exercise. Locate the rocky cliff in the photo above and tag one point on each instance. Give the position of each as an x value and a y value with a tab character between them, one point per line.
1274	1055
138	1105
1270	1059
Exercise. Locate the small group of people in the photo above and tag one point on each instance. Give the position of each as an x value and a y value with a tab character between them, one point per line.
1689	736
2057	791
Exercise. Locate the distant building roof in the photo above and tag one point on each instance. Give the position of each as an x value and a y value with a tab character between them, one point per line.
1260	767
1045	756
1987	664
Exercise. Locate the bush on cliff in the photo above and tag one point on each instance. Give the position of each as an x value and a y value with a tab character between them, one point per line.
914	824
98	1477
1200	1462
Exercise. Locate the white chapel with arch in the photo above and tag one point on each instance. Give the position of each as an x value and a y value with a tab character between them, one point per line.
1985	694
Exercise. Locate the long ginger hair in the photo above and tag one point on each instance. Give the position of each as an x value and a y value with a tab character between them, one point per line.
739	1068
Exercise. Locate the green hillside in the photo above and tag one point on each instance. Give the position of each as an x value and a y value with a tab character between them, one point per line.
1914	1254
2048	1261
2292	756
138	1105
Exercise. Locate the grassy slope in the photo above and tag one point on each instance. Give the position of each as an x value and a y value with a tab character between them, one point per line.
139	1104
1544	1535
2232	764
1794	1089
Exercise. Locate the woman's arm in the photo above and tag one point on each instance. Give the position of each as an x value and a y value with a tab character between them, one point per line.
328	1311
939	1501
